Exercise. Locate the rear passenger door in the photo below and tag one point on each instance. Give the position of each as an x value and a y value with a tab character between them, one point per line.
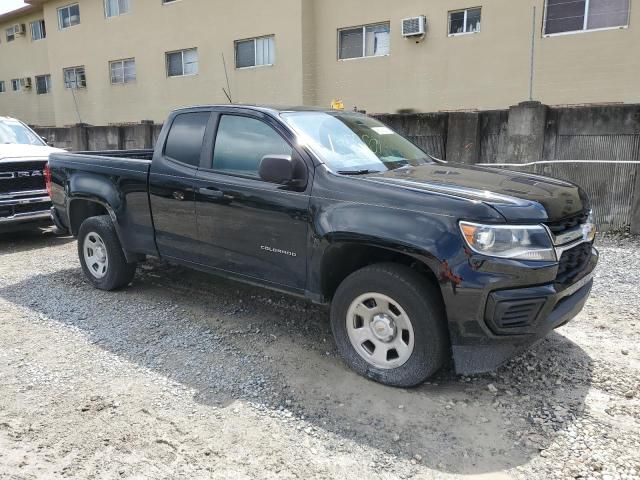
171	185
248	226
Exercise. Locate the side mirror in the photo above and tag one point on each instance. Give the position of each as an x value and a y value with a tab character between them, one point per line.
283	170
46	140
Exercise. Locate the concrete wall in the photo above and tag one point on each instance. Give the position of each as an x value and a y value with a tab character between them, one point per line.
483	71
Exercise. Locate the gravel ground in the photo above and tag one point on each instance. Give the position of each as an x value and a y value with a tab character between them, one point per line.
188	376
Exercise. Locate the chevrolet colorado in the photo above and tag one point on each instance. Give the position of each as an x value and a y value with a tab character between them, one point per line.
419	260
24	202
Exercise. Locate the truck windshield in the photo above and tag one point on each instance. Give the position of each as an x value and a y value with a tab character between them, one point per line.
15	132
353	143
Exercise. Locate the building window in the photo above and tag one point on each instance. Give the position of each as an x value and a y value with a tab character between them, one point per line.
255	52
16	85
38	30
365	41
2	87
69	16
182	63
562	16
113	8
43	84
14	31
464	21
123	71
74	77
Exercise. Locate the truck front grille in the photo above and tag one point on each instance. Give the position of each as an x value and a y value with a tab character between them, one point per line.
21	176
573	262
9	211
561	226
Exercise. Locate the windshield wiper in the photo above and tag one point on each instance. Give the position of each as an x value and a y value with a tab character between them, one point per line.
357	172
437	160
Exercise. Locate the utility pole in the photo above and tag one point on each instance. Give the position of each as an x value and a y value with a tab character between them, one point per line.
533	54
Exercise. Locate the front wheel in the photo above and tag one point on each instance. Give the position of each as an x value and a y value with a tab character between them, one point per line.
101	256
389	325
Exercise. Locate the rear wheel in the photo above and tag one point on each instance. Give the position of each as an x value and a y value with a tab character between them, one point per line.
101	254
389	325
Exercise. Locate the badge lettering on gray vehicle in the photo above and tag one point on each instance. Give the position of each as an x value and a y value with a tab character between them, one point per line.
277	250
26	174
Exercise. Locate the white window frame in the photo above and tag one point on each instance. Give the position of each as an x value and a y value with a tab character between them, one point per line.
166	56
75	70
42	27
466	14
364	41
3	87
107	16
124	77
47	80
255	52
14	82
585	23
67	7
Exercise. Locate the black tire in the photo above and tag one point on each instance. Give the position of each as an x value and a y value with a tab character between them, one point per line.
118	273
421	301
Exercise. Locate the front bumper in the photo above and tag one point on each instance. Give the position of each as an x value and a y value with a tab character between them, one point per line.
506	308
24	209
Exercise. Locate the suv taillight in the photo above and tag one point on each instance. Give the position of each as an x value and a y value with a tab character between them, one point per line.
47	179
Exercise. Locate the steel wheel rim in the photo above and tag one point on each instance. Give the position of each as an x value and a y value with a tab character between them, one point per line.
380	330
95	255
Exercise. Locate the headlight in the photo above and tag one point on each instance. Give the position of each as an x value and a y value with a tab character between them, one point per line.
523	242
589	229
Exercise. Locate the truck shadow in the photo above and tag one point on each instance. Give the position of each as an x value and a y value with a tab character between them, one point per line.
278	354
33	239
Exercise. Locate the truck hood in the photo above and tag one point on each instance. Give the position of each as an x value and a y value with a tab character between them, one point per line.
14	151
517	196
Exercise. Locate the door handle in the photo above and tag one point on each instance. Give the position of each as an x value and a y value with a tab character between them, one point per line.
211	193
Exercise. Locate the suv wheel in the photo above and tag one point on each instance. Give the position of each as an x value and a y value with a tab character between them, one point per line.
101	255
389	325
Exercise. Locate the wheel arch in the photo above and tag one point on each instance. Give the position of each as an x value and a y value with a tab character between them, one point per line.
81	208
340	258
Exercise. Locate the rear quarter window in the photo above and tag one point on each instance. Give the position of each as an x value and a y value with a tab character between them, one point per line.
184	142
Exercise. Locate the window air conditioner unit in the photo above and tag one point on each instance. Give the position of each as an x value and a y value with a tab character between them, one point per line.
26	82
19	29
414	26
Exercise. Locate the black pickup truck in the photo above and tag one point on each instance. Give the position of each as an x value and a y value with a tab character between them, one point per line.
419	260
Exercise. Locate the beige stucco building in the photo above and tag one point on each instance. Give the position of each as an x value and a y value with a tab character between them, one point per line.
115	61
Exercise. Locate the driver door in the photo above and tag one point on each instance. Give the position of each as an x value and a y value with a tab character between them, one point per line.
247	226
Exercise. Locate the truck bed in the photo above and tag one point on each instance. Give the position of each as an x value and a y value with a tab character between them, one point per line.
115	179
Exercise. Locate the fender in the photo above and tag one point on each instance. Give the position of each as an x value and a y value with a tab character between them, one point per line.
101	190
96	189
430	240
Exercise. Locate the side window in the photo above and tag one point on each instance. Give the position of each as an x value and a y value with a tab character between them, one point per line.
184	142
242	142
